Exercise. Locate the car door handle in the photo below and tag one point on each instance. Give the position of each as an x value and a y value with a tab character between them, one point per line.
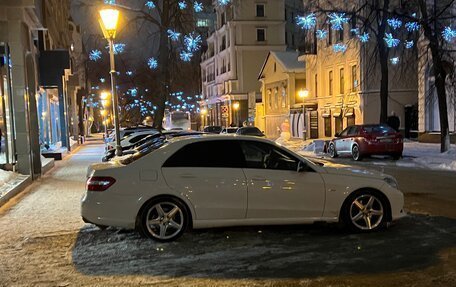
187	176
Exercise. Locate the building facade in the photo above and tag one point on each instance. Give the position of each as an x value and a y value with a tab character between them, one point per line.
245	32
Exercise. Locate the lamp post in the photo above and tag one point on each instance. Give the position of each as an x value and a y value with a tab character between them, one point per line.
236	106
303	94
108	21
203	113
104	96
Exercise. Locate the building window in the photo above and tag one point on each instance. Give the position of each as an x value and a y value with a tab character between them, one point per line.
340	35
202	23
269	98
276	98
275	67
354	77
261	34
328	128
260	9
316	85
284	97
339	124
331	82
342	81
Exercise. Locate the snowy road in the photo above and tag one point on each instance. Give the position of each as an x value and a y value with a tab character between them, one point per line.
43	242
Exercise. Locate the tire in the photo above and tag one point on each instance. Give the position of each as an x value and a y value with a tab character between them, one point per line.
164	219
332	151
356	153
101	227
365	211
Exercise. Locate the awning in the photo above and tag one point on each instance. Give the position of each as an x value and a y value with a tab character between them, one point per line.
337	113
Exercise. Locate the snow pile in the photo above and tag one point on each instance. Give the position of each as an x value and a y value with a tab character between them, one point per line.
6	176
429	155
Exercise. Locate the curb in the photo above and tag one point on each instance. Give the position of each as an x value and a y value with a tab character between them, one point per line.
16	187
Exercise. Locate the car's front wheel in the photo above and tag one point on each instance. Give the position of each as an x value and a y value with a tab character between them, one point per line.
164	219
365	211
332	150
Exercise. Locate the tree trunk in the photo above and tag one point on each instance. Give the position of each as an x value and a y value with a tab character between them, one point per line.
439	74
383	53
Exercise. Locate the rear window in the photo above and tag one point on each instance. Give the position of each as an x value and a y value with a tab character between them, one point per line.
383	129
144	150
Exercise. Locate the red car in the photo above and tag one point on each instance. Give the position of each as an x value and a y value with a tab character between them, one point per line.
365	140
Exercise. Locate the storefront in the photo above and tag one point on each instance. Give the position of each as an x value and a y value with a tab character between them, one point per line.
49	123
6	114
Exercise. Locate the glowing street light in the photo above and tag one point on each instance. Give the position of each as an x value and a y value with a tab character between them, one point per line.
109	18
303	94
236	107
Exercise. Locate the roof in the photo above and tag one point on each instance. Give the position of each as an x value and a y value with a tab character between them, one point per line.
288	60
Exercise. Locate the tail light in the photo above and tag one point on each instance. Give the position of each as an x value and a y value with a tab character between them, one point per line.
99	183
370	139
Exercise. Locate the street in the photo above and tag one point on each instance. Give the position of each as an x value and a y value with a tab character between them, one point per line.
43	242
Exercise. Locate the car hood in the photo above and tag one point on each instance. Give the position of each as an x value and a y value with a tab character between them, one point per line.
349	170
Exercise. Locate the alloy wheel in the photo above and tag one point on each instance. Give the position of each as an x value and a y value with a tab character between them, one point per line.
366	212
332	151
355	153
165	220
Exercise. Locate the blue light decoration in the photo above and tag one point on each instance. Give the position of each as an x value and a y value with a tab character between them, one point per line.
409	44
192	42
173	35
95	55
412	26
150	4
129	73
339	48
394	23
186	56
391	42
119	48
133	92
394	60
337	20
182	5
355	31
198	7
322	34
110	2
449	34
224	2
152	63
364	37
102	80
307	22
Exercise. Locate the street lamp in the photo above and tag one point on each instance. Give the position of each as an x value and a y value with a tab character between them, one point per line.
203	113
303	94
109	17
236	106
105	123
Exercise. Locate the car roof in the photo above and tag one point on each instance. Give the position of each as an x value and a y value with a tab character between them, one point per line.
214	137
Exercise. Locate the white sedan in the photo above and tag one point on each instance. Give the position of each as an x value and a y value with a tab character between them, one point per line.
212	181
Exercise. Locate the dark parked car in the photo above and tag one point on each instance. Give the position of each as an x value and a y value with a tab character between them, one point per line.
365	140
229	130
250	131
212	129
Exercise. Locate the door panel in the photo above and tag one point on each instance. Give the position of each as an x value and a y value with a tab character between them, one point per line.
284	194
216	193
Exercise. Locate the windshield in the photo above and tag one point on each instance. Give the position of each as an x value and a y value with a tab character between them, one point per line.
378	129
144	149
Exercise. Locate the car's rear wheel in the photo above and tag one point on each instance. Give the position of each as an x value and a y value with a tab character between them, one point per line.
356	153
332	150
365	211
397	156
164	219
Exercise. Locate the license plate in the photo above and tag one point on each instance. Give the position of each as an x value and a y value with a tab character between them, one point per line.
386	140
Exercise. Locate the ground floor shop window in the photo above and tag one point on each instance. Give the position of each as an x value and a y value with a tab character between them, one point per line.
49	123
338	124
6	116
328	128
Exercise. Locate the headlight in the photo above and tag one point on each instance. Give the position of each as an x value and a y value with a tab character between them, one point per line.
392	182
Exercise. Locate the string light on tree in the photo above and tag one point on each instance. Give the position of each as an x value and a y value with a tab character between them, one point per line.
307	22
129	73
322	34
412	26
198	7
152	63
339	48
102	80
182	5
449	34
150	4
192	42
394	60
355	31
186	56
364	37
391	42
394	23
409	44
119	48
95	55
224	2
337	20
173	35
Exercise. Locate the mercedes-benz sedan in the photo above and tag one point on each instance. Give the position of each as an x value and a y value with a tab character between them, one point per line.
213	181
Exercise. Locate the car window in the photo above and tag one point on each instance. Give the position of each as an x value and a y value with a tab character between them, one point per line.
383	129
344	132
260	155
353	131
218	153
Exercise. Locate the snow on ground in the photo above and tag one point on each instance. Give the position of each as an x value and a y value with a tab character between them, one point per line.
424	155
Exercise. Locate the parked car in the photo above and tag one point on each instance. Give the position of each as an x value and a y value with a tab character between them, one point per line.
132	138
250	131
128	131
229	130
212	129
165	189
364	140
111	153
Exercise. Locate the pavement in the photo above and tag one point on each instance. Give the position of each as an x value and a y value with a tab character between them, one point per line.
43	242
